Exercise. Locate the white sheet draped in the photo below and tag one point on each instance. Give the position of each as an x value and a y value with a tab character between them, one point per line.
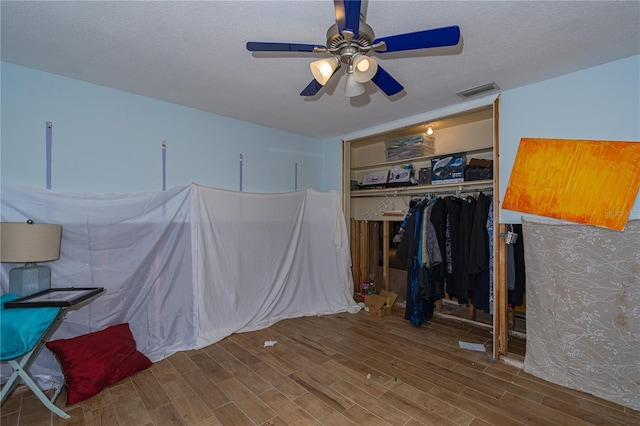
191	265
261	258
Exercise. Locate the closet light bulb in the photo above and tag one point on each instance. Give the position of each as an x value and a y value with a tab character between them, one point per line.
429	130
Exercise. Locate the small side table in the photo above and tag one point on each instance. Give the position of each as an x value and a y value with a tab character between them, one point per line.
25	308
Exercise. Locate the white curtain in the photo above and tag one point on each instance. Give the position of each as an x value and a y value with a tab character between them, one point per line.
191	265
583	307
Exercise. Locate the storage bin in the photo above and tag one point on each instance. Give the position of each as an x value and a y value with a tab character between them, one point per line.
409	147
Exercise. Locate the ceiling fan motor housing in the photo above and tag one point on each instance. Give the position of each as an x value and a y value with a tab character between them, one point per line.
345	49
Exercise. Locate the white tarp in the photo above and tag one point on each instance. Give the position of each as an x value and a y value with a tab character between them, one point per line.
191	265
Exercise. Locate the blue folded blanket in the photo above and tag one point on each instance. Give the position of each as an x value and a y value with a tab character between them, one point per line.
21	328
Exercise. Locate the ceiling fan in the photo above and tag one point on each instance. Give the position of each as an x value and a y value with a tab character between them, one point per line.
349	41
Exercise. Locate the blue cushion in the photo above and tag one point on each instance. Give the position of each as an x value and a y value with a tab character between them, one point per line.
21	328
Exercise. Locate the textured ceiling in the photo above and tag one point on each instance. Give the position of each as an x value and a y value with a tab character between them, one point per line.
193	53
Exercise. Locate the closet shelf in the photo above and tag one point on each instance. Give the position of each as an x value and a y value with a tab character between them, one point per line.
421	189
388	164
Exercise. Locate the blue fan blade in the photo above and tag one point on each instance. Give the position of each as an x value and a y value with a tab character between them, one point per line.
312	88
446	36
386	83
258	46
348	15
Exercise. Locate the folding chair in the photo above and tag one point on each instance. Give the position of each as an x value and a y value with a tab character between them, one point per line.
24	332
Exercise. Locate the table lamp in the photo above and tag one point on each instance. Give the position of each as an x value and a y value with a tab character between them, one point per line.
29	243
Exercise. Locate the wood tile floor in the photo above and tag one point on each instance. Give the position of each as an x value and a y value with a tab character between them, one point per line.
341	369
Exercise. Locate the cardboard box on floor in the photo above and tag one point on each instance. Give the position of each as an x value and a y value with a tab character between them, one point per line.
377	303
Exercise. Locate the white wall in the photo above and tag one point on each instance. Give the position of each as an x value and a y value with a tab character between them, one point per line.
600	103
109	141
332	168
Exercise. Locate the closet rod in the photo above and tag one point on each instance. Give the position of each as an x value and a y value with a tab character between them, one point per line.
457	192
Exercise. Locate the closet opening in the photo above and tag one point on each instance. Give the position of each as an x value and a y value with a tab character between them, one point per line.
377	198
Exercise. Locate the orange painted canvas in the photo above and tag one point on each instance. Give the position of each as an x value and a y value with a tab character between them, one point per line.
584	181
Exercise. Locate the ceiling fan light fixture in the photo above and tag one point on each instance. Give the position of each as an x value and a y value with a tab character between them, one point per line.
364	68
352	87
323	69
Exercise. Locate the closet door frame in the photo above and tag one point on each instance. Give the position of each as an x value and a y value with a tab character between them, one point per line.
500	320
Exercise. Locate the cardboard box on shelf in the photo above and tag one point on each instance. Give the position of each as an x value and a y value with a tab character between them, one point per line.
478	169
448	169
401	174
424	176
377	178
380	304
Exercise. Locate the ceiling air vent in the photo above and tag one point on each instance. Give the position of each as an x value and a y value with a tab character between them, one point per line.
479	90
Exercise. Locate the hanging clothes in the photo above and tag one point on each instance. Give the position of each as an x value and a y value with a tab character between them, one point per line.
432	287
490	234
419	308
439	271
516	296
479	254
461	225
429	252
446	243
466	279
455	244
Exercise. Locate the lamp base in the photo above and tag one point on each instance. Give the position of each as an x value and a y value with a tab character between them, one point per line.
29	279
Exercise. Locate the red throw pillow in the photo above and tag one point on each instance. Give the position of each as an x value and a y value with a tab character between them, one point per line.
96	360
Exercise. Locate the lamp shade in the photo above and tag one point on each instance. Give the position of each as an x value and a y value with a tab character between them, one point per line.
29	242
364	68
323	69
352	87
